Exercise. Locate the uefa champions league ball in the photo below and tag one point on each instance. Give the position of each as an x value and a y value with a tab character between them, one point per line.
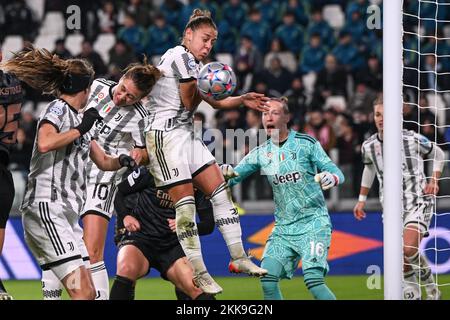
216	80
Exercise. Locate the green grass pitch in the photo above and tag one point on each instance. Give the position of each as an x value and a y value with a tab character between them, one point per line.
239	288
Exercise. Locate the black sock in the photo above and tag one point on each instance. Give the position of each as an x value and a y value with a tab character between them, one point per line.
205	296
2	288
181	295
122	289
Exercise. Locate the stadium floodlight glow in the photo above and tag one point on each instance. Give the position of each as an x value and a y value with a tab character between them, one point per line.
392	166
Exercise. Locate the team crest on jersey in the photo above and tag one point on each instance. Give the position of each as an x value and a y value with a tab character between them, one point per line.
378	150
99	97
57	109
118	117
192	64
269	155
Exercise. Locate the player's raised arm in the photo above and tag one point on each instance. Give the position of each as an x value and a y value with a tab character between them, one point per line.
108	163
245	168
251	100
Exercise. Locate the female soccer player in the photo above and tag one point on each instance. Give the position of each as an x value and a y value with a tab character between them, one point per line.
418	199
179	160
146	237
121	131
10	105
302	231
55	192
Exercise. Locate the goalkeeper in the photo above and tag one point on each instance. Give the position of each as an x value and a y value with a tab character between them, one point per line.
302	231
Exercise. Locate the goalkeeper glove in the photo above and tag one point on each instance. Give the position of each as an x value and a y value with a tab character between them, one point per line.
327	180
89	117
228	171
127	161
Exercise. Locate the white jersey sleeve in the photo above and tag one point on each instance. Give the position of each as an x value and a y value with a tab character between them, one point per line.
55	114
425	145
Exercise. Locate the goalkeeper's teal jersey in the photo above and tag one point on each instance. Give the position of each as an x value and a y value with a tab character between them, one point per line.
290	170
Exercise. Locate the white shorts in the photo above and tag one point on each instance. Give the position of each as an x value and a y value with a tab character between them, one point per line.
100	200
54	237
176	156
420	214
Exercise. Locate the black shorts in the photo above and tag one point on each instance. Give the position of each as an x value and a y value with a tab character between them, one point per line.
160	259
6	194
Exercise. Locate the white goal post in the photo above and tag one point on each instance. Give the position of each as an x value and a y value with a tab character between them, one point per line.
392	166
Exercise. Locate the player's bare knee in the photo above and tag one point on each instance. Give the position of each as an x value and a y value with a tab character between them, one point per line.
128	270
95	253
409	251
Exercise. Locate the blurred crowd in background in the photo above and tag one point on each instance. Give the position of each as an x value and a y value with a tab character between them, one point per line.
320	54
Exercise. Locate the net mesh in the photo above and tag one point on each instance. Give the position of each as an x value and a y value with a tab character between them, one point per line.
426	104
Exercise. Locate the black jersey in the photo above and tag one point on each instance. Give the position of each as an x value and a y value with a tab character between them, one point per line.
138	196
10	105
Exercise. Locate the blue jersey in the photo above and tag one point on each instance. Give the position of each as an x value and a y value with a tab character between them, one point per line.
290	169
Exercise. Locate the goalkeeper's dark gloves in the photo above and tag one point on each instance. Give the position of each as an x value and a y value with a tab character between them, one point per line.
89	117
127	161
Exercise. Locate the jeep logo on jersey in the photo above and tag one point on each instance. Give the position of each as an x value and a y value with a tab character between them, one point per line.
286	178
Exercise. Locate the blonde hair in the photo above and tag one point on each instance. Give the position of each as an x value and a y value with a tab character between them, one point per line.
143	75
199	18
378	100
47	72
284	103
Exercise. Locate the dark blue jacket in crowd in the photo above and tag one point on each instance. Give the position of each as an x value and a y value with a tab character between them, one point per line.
135	37
159	40
235	15
312	59
325	31
348	55
260	33
292	37
227	38
269	12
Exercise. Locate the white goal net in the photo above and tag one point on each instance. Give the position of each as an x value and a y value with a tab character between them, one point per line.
426	111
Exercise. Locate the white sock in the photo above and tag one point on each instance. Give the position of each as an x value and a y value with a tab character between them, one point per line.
227	220
51	286
187	233
101	280
423	271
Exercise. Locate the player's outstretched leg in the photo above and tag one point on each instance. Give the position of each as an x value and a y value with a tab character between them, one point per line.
314	280
188	237
227	220
51	286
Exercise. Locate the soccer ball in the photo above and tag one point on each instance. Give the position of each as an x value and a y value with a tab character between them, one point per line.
216	80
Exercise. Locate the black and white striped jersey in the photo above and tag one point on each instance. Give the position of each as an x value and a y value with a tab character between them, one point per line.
59	175
121	130
415	147
166	108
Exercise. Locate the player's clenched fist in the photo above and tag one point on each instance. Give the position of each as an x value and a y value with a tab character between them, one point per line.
326	179
89	117
228	171
131	224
